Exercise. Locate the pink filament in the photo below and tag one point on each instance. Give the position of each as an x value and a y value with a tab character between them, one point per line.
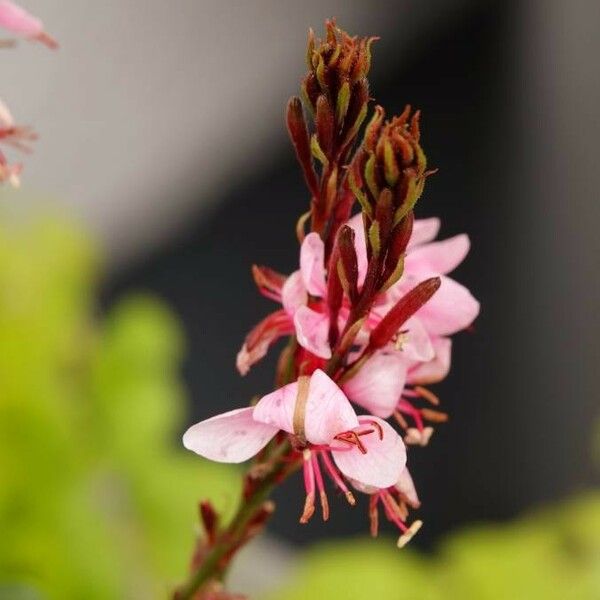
407	408
333	472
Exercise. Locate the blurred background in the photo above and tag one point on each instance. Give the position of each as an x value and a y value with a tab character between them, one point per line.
163	172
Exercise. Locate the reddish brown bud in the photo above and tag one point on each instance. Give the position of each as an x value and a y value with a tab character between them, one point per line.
338	67
299	135
384	214
210	521
348	261
325	122
395	159
405	308
397	246
335	294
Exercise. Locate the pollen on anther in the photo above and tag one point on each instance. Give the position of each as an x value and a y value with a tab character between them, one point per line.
409	534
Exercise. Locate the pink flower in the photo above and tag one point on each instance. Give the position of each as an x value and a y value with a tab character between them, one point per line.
422	353
15	137
299	314
304	298
17	20
323	425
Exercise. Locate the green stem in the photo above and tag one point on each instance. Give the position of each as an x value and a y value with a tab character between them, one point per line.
212	565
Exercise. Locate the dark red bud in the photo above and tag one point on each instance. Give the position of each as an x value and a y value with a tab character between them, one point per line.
210	520
384	214
398	243
335	294
299	135
325	121
349	261
405	308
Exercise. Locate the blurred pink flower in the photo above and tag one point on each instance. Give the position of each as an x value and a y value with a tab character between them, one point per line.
17	20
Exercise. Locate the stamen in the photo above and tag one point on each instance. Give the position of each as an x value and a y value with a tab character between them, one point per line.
407	408
374	515
427	395
392	511
309	484
337	479
377	426
409	534
400	419
321	488
351	437
435	416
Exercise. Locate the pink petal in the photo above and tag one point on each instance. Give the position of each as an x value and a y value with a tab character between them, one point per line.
312	330
17	20
312	264
277	408
383	462
232	437
424	230
293	293
261	337
437	257
450	309
6	119
406	487
378	385
327	410
360	245
416	344
436	369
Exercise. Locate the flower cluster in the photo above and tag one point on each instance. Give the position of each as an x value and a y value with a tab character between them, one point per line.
368	313
19	22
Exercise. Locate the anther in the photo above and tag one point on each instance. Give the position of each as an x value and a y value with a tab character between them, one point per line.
427	395
409	534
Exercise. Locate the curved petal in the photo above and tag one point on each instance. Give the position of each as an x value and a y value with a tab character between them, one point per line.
384	461
450	309
327	411
18	20
360	245
406	487
379	384
293	293
438	257
6	118
232	437
312	330
416	344
312	264
277	408
436	369
424	230
260	339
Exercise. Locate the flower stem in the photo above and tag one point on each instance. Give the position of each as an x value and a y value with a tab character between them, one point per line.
237	533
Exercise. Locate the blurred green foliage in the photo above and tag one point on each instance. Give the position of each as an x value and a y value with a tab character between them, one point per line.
97	499
553	554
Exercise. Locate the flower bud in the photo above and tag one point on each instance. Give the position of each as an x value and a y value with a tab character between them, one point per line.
335	90
393	159
405	308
